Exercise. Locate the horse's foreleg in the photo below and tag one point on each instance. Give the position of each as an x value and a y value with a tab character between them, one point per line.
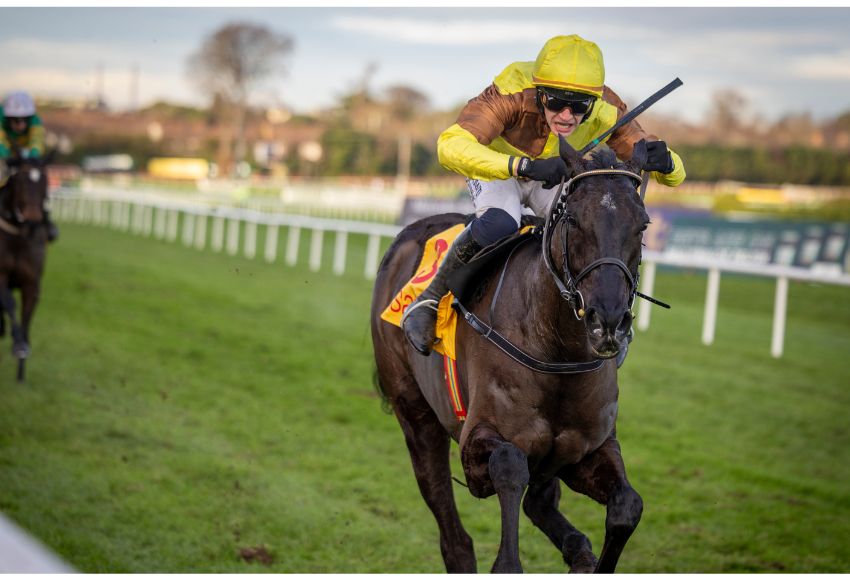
541	506
507	476
30	293
428	443
602	476
7	303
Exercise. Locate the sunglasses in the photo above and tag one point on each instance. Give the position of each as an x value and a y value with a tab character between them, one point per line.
577	103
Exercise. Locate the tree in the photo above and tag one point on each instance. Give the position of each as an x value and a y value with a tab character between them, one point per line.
230	64
406	102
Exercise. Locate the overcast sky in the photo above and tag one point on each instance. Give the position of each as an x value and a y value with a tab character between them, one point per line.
784	60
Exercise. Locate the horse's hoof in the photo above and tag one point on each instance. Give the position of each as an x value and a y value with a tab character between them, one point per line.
583	565
21	351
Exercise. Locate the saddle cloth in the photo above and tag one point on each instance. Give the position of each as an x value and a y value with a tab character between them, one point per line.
435	251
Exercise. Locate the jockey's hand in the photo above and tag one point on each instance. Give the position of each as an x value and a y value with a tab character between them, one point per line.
550	171
658	158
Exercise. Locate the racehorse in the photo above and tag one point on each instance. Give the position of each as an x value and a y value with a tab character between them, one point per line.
528	426
23	248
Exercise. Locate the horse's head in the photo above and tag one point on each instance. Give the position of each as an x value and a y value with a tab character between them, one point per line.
24	194
595	230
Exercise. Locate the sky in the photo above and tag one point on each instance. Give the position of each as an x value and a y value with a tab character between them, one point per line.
783	60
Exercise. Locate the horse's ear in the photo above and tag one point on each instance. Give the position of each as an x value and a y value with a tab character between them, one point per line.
639	155
570	156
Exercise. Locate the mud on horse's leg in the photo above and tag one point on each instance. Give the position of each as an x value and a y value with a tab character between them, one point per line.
492	465
541	506
602	476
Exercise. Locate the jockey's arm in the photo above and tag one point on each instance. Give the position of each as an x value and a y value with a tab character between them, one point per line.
462	148
36	138
5	146
623	139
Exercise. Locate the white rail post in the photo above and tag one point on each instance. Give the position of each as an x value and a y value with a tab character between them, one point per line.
147	221
292	240
339	252
250	239
173	219
710	319
200	231
159	222
271	243
316	249
371	268
647	286
188	229
138	218
780	307
126	216
233	236
217	242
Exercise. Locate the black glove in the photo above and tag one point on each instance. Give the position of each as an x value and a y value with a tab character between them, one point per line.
658	157
550	171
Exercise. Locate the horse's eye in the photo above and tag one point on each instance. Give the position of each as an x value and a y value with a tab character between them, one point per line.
571	220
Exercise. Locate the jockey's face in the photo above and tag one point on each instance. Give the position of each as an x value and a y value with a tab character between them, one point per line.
562	122
19	124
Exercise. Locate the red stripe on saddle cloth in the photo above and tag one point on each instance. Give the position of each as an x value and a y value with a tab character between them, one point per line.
450	366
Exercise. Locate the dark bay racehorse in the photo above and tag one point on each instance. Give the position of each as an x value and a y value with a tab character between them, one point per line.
23	245
527	430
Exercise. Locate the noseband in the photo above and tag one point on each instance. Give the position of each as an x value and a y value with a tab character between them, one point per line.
568	286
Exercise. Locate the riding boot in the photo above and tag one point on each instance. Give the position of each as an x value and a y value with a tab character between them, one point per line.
421	316
52	230
624	348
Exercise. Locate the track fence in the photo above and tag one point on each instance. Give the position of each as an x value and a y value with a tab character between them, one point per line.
234	229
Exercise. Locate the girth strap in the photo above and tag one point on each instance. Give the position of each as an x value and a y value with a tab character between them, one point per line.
561	368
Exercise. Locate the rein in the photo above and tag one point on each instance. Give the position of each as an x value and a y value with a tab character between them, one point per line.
510	349
9	228
567	288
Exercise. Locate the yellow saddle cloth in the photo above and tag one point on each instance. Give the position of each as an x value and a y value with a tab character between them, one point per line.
435	251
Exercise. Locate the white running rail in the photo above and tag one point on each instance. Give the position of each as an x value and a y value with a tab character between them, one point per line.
160	216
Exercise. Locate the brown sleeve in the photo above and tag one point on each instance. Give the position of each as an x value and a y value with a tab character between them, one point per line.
490	113
622	140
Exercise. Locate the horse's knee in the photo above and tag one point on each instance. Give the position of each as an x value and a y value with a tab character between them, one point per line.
508	467
624	510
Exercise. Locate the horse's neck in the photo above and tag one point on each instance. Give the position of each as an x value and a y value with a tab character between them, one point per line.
551	325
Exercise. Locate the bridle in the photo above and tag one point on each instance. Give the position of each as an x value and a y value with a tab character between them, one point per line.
567	283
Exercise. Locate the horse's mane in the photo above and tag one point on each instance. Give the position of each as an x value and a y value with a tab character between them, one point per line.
604	159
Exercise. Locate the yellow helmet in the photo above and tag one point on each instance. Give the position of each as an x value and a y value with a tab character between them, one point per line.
570	63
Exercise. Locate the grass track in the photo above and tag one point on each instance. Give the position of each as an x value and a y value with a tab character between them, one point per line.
182	405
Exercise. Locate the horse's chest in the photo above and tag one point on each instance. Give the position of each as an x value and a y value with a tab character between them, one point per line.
552	443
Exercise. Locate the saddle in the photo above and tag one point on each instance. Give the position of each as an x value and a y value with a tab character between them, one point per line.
462	284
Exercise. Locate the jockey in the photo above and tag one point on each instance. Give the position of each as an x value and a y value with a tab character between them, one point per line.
23	134
505	142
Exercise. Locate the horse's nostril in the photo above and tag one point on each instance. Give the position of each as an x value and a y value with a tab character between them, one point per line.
625	324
